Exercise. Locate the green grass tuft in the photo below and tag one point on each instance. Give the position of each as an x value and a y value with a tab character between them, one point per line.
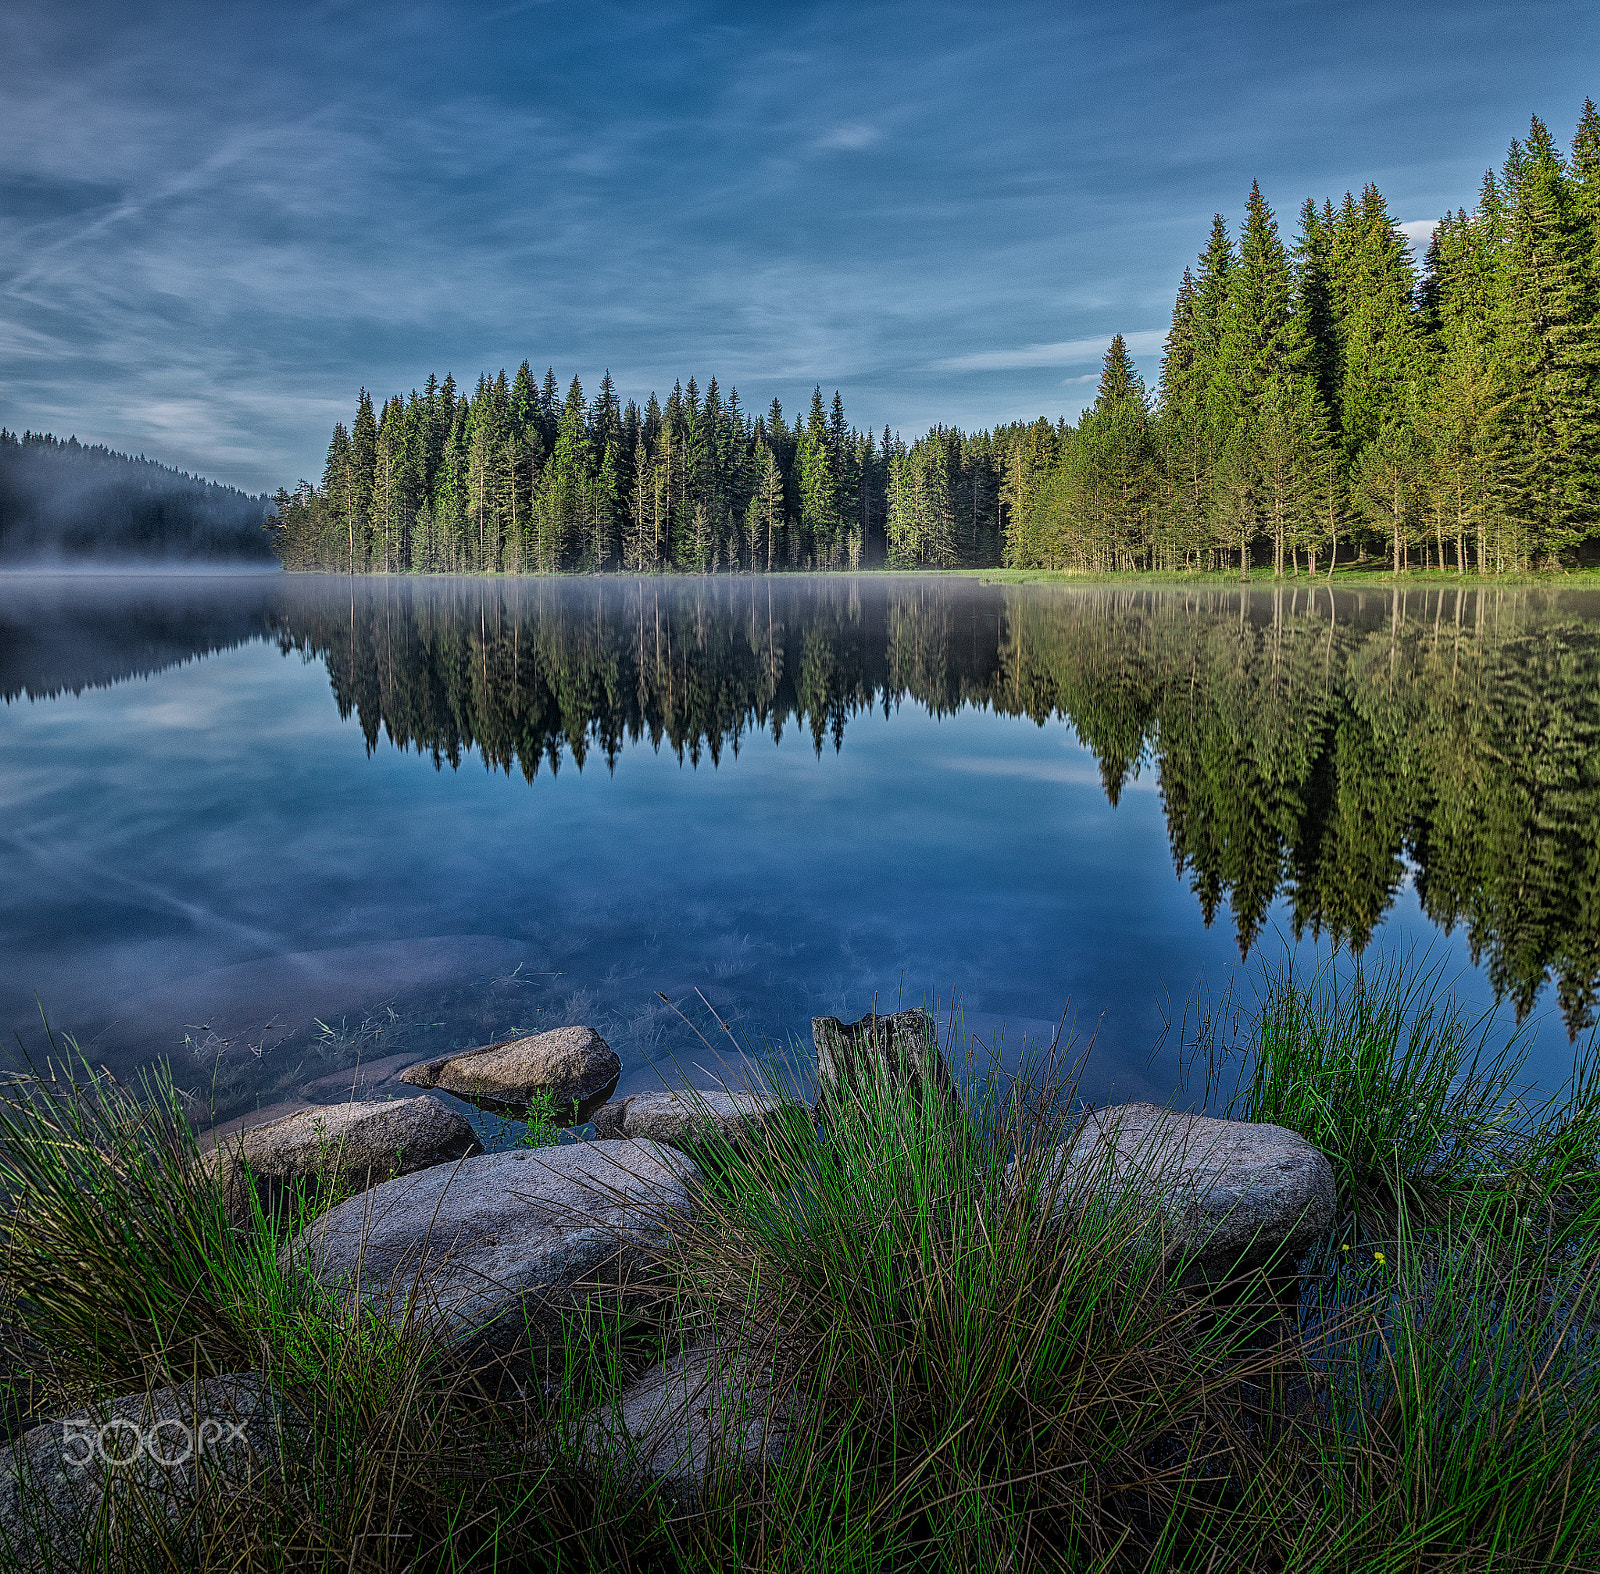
964	1375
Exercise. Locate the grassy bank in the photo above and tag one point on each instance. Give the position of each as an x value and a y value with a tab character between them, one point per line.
959	1383
1358	575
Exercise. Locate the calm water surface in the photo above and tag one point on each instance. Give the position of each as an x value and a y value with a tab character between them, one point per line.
265	825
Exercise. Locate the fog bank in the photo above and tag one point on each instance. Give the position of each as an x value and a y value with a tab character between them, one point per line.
63	503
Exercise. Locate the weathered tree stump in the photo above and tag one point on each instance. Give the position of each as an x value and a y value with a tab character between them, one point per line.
879	1056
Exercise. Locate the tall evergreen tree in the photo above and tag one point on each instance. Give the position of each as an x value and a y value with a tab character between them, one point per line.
363	461
1374	289
1549	425
819	504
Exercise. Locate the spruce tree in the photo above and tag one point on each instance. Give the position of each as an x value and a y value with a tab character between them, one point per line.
1211	298
1257	338
1459	317
1260	341
818	488
524	401
1313	299
337	488
363	460
1548	435
1379	340
388	488
1585	169
485	478
1181	348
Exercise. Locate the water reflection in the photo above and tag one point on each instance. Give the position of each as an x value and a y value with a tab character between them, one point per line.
64	633
199	857
1308	745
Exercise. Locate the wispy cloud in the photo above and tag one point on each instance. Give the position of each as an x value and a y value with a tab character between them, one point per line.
850	137
217	222
1083	773
1068	352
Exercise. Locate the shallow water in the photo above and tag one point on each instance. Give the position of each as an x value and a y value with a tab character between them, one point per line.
267	825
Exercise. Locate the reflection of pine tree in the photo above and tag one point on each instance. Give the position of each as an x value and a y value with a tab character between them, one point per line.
1299	756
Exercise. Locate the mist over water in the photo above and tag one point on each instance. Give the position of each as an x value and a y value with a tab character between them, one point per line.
265	825
64	503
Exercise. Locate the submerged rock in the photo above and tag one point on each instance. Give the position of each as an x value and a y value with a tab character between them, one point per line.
574	1066
675	1118
498	1250
347	1147
162	1449
365	1081
1227	1194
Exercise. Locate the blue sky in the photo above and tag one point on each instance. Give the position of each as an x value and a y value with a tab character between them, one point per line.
218	221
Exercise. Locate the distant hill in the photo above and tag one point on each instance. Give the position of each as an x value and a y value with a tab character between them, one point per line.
62	499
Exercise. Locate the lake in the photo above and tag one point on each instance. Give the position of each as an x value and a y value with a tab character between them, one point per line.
263	825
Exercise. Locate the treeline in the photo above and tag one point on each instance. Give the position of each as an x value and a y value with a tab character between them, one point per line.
1321	397
1309	748
62	499
519	479
1318	400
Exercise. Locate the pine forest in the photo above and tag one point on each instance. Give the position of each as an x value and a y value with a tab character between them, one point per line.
1323	400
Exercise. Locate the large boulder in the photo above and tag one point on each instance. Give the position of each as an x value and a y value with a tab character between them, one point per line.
340	1147
880	1055
711	1410
495	1252
676	1118
64	1483
1226	1194
574	1066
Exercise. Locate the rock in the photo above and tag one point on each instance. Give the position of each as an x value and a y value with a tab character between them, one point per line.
573	1065
899	1052
341	1146
222	1432
264	1115
497	1250
607	1120
675	1118
371	1079
710	1410
1231	1193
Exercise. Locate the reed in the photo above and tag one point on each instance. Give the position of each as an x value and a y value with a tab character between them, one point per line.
1379	1065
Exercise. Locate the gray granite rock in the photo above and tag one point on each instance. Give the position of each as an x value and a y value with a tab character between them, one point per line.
159	1450
498	1250
340	1147
675	1118
711	1410
608	1120
1224	1193
370	1079
898	1052
573	1065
